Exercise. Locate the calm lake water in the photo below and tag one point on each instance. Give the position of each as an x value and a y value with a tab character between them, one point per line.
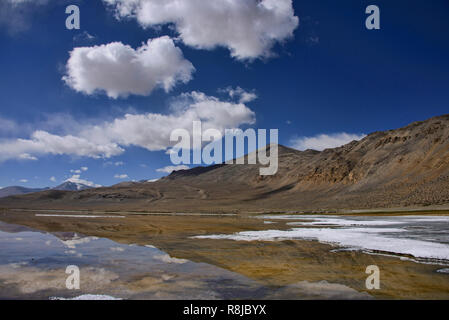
33	263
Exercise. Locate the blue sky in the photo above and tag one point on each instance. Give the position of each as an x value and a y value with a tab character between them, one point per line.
323	77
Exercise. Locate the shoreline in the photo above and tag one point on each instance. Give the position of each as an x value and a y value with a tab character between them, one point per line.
348	212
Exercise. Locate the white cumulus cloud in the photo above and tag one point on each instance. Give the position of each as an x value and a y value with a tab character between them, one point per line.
121	176
119	70
147	130
324	141
42	142
248	28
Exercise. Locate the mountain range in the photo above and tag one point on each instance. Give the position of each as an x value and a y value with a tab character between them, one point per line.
406	167
18	190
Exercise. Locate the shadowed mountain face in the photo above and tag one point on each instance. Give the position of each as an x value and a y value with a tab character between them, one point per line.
397	168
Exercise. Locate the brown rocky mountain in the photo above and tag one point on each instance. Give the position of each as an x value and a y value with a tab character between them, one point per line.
15	190
406	167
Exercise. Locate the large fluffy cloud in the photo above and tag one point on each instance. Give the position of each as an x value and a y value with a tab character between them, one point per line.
149	130
248	28
325	141
119	70
152	131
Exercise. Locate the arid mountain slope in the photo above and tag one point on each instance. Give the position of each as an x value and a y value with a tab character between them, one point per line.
397	168
15	190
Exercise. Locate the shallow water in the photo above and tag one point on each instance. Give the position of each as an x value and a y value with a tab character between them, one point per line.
33	264
198	257
423	237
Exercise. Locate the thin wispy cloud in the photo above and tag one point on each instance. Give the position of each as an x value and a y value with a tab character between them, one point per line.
17	16
8	127
240	94
324	141
26	156
84	37
121	176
